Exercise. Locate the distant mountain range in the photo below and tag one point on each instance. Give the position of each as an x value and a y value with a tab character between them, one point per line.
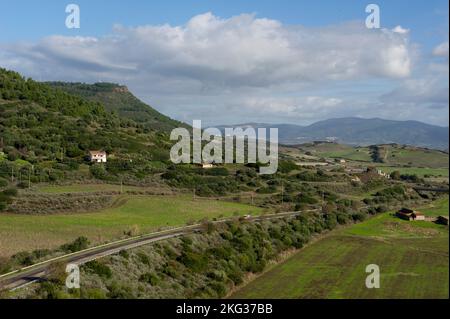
359	131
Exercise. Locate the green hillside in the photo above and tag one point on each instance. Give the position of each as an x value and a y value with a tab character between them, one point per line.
413	156
386	154
118	99
45	134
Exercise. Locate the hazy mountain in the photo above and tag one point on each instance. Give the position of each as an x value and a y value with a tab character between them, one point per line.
359	131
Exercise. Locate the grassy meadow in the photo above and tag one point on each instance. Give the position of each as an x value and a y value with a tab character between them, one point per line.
413	258
332	150
437	208
419	171
131	213
415	157
392	155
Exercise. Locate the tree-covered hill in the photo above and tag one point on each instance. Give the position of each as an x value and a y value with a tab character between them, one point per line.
119	99
13	87
50	130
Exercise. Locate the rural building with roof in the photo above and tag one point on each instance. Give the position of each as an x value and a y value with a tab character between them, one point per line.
97	156
409	214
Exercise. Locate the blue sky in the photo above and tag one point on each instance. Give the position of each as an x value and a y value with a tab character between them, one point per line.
25	20
35	41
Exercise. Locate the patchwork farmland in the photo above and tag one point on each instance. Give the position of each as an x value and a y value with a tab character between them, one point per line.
413	260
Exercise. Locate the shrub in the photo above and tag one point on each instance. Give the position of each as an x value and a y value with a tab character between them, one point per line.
306	199
149	278
10	192
194	261
171	269
236	275
40	253
23	185
287	166
219	288
143	258
395	175
98	268
124	254
93	293
5	199
411	178
266	190
342	218
330	221
78	244
382	209
49	290
359	216
98	171
117	291
3	182
23	258
132	231
5	265
217	171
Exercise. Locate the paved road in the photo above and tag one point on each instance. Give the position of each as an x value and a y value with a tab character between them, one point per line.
27	275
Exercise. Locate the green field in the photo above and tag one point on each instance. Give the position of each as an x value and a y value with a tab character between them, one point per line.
359	154
332	150
412	256
141	213
414	157
439	207
392	155
419	171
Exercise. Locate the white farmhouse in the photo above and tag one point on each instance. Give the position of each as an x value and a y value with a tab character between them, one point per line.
97	156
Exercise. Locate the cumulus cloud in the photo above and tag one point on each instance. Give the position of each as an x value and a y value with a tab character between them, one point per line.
252	67
242	50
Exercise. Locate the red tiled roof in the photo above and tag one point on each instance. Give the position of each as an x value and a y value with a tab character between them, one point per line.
97	152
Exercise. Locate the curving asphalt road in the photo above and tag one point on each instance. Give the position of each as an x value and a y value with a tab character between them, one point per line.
27	275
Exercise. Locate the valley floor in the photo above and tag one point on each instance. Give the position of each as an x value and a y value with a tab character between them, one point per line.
134	214
413	258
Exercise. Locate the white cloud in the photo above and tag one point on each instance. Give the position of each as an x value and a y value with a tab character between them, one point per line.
399	29
441	50
239	51
255	68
